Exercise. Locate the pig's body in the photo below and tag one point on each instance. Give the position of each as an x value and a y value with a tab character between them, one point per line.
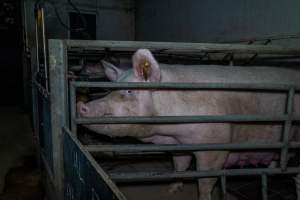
189	102
176	103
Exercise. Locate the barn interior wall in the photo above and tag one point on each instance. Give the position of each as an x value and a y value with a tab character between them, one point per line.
114	18
215	21
153	20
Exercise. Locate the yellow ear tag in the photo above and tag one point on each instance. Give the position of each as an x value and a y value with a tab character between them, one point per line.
145	69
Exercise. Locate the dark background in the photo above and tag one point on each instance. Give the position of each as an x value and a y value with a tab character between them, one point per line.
11	47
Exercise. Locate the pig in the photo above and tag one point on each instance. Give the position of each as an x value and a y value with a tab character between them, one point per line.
129	102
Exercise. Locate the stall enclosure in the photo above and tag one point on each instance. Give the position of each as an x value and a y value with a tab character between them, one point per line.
72	170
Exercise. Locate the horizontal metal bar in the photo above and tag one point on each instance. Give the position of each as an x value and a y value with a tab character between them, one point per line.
181	147
187	86
183	47
294	145
270	37
180	119
160	176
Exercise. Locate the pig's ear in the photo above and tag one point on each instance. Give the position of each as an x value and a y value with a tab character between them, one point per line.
145	66
111	71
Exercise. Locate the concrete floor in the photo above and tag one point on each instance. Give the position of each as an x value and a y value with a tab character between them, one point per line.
242	188
160	192
16	143
16	140
157	190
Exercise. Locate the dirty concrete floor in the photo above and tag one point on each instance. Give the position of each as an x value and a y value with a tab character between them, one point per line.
242	188
160	192
16	140
157	190
24	183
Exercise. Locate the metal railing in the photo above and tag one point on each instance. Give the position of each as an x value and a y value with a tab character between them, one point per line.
284	145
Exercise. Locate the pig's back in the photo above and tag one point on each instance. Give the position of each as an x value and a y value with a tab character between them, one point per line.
229	74
272	103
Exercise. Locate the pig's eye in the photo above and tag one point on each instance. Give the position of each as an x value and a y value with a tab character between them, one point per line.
127	93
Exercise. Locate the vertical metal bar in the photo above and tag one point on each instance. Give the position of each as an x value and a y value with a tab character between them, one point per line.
231	59
35	110
37	42
223	188
44	49
57	74
264	186
286	131
73	107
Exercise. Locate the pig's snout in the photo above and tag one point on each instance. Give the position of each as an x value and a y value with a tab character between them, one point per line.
82	109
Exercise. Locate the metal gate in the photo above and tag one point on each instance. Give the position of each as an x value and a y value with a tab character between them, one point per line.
77	173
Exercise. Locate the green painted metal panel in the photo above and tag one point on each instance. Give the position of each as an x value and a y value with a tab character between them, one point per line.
81	179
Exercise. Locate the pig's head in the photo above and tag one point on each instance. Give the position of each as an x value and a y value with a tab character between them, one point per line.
125	102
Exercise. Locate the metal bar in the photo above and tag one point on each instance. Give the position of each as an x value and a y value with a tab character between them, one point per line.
181	119
294	145
160	176
41	89
188	86
73	108
183	47
37	43
270	38
255	55
264	186
286	131
57	51
181	147
47	168
44	49
223	188
36	116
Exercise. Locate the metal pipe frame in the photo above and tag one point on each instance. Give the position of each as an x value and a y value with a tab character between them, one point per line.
286	119
187	147
223	188
182	47
188	86
162	176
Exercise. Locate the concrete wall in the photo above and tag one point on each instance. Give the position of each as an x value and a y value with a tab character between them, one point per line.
215	21
114	18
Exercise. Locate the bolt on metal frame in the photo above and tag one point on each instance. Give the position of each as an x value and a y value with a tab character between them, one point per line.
286	118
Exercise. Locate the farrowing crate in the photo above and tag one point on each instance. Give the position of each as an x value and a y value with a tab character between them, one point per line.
71	168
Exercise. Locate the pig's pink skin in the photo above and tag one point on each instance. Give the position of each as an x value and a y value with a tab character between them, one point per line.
178	103
250	158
